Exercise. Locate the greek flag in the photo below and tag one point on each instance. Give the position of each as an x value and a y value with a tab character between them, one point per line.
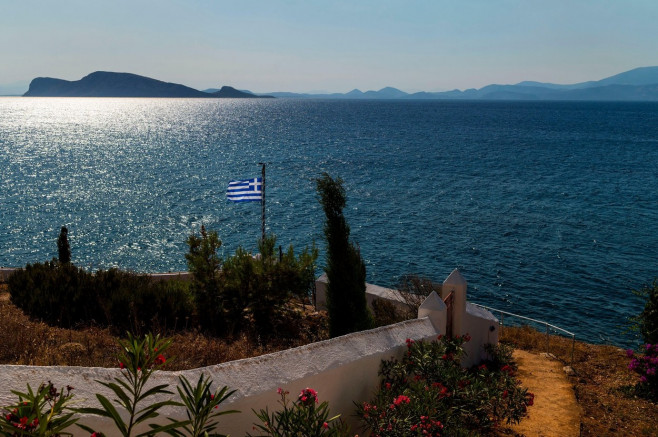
245	190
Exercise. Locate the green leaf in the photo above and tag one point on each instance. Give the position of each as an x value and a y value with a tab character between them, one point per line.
155	429
159	389
113	414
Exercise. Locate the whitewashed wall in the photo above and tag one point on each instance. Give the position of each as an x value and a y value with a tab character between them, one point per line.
342	370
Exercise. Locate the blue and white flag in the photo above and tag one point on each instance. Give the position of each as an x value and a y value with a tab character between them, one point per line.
245	190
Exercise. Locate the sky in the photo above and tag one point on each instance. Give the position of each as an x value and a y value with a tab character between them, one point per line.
328	46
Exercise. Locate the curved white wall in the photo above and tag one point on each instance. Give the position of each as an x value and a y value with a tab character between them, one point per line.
343	370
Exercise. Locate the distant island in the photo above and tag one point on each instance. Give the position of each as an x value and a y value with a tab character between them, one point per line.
109	84
639	84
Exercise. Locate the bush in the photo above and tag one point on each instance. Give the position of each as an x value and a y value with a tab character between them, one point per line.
346	271
301	418
645	365
59	294
429	393
41	413
647	321
67	296
247	288
139	358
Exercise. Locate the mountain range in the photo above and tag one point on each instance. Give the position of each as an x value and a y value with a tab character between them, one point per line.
639	84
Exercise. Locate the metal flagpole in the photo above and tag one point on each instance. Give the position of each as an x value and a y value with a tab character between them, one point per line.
262	202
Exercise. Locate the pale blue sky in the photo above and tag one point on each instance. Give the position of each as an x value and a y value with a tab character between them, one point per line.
332	46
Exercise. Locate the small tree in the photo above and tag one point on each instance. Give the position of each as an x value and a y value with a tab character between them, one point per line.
647	321
346	271
63	248
204	263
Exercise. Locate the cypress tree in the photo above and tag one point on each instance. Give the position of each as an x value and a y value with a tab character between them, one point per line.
346	271
63	248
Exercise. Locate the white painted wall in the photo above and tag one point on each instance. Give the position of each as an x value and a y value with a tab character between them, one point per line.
342	370
482	326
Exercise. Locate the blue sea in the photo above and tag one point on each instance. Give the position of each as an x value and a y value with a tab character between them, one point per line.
549	209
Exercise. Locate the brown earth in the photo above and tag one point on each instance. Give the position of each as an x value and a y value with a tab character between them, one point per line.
555	412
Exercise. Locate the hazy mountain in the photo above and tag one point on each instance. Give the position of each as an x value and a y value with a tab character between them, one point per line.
230	92
109	84
634	85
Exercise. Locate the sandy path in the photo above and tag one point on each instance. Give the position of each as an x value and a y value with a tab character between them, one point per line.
555	412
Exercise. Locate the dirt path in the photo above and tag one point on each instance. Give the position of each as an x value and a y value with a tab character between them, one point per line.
555	412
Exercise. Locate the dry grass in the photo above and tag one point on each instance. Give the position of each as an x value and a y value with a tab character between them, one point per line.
601	384
30	342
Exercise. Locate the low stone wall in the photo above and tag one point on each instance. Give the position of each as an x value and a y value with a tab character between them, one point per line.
373	293
5	273
343	370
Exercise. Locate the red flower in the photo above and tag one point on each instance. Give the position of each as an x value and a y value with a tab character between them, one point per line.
325	425
24	420
307	396
160	359
121	365
400	399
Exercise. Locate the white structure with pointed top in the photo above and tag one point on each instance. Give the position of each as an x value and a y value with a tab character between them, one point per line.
434	309
457	285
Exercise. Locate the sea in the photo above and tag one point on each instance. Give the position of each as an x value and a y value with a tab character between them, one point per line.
548	209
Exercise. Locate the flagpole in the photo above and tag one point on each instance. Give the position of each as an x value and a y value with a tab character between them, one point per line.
263	200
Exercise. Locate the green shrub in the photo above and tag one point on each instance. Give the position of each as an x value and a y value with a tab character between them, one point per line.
59	294
247	290
303	417
429	393
646	323
201	406
64	295
204	264
138	359
38	413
